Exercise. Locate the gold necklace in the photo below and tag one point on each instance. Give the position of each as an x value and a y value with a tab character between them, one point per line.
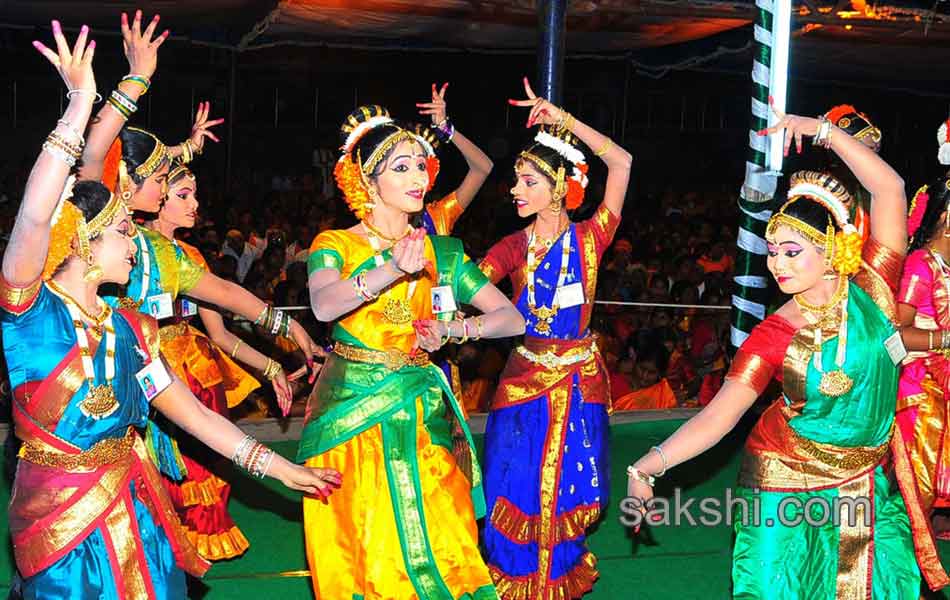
396	311
836	382
382	235
96	321
548	243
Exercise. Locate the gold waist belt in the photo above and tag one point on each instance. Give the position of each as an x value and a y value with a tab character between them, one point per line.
846	458
551	360
103	453
170	332
393	359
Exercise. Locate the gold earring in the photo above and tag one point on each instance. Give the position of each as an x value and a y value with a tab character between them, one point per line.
93	273
830	275
556	206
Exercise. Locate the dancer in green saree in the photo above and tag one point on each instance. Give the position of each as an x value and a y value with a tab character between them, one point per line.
834	510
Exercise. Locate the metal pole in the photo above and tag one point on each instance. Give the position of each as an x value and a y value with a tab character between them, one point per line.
231	112
552	24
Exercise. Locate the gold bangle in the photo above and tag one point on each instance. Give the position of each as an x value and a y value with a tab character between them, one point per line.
236	346
605	148
272	369
569	123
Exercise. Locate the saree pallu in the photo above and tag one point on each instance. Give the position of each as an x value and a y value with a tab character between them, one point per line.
546	469
201	497
402	525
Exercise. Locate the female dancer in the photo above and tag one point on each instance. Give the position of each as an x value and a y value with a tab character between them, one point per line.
829	438
405	527
201	498
924	314
546	437
88	515
440	216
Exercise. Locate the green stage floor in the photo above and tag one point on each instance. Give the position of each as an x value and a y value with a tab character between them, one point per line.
672	562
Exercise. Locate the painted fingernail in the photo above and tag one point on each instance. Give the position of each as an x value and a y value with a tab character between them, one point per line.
56	28
37	45
761	132
92	44
771	100
84	29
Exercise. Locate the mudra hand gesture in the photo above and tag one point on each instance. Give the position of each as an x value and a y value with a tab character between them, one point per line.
75	67
435	107
202	127
141	49
542	111
796	127
409	253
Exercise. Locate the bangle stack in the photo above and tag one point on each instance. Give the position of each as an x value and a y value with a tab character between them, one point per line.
564	122
277	322
66	150
467	333
823	137
81	92
122	104
272	369
140	80
444	130
253	456
362	290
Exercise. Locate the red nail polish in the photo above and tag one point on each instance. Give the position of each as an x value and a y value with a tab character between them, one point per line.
92	44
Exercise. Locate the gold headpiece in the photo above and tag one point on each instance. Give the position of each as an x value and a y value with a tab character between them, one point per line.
70	233
558	177
180	169
158	156
842	248
388	143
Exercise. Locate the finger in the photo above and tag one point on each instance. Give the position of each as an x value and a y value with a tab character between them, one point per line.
126	32
297	374
210	135
150	30
779	114
62	49
787	144
90	52
798	141
527	88
445	86
161	39
80	44
521	102
427	104
435	94
49	54
213	122
430	111
137	25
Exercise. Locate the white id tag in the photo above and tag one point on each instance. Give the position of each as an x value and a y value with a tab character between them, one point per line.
895	348
443	300
188	308
160	306
570	295
153	379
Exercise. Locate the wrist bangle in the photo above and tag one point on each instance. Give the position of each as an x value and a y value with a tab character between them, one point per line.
236	346
272	369
605	148
640	475
82	92
663	458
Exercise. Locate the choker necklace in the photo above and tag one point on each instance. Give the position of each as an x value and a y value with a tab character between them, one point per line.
379	234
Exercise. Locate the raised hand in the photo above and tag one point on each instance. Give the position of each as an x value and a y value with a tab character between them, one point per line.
796	127
436	106
409	252
201	129
74	66
542	112
141	49
283	392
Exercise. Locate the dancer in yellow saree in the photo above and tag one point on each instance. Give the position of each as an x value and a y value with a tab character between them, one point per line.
403	525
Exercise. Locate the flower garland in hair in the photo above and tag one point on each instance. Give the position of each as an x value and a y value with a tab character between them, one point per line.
577	182
362	128
64	225
918	206
349	178
943	138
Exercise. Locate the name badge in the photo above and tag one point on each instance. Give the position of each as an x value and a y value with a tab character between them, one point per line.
895	348
153	379
160	306
188	308
443	300
570	295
